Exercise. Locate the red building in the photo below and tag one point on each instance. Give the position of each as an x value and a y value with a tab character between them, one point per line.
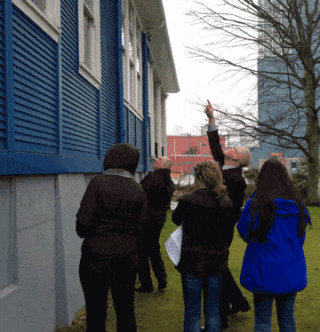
186	151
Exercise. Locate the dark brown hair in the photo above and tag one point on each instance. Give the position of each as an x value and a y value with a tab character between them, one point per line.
122	155
273	182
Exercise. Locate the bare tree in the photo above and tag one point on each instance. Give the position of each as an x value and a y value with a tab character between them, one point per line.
282	40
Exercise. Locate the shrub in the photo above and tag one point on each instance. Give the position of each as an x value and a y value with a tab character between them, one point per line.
251	174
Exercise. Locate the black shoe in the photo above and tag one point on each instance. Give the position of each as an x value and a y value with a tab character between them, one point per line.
244	305
144	290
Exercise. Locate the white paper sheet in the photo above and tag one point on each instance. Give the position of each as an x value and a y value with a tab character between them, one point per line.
173	245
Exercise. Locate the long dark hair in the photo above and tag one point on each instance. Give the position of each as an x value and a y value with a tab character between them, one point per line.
273	182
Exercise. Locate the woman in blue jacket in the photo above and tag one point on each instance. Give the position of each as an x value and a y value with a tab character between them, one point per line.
273	223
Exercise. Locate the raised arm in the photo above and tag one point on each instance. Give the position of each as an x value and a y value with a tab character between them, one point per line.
214	139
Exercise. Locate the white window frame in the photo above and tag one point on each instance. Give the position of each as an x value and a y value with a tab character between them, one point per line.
48	19
91	70
132	58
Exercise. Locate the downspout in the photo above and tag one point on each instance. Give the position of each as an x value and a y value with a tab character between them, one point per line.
145	100
122	132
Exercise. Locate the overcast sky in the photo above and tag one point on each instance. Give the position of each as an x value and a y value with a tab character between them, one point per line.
195	78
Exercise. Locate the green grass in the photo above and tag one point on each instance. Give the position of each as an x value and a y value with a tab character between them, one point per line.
157	312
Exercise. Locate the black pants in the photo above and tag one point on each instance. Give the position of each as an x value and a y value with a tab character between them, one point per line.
230	293
152	252
97	275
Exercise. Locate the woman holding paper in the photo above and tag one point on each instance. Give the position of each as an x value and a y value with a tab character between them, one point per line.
207	235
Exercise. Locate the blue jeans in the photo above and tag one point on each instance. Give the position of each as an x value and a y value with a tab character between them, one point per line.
192	288
263	312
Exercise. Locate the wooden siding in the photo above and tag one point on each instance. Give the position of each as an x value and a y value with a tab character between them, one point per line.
60	122
80	100
140	143
2	78
135	136
132	128
35	87
110	74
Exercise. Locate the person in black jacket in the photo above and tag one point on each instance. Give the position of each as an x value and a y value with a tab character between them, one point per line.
207	232
159	188
110	220
231	162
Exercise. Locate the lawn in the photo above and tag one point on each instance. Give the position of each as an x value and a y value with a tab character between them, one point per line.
163	312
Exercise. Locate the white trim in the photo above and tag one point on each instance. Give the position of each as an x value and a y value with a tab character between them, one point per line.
132	75
48	21
4	292
131	109
151	108
87	74
93	74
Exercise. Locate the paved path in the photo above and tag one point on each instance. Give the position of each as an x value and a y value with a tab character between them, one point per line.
173	205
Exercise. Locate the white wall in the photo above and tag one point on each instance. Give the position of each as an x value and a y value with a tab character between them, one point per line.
39	279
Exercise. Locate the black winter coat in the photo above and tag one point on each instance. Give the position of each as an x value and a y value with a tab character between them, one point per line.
207	233
111	217
233	177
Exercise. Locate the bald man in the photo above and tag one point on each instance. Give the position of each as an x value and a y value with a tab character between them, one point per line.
159	188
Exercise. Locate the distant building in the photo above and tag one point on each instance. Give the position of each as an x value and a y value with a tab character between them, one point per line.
275	100
186	151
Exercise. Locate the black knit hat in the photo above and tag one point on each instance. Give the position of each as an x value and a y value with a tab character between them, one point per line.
122	155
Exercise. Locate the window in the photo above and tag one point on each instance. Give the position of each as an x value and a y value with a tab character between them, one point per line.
274	40
132	58
156	149
89	41
294	165
203	144
45	13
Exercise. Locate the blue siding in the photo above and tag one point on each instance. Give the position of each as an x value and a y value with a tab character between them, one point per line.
132	128
35	87
2	86
110	75
126	121
139	143
80	100
61	123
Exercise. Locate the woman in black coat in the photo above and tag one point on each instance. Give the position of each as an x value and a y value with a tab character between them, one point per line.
207	234
110	219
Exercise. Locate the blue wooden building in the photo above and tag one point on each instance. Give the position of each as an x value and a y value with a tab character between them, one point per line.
76	77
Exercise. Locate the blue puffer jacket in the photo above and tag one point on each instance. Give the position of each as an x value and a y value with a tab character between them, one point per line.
277	266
